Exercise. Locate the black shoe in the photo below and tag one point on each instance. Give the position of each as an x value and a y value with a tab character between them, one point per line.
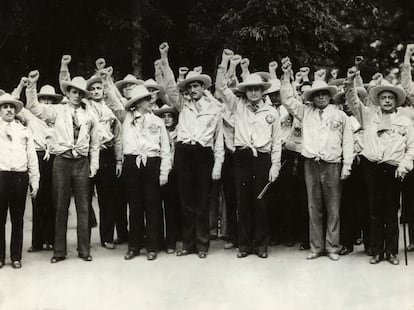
16	264
202	254
108	245
120	241
289	244
130	255
393	259
369	252
33	249
56	259
86	258
151	256
358	241
375	259
242	254
346	250
170	250
183	252
262	254
1	264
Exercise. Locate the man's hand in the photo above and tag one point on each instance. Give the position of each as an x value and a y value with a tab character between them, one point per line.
287	68
33	77
400	173
66	59
118	169
273	173
92	171
320	75
298	77
216	173
377	78
24	82
163	179
182	71
244	64
345	173
100	63
305	73
273	66
164	47
334	73
226	56
198	69
33	192
350	75
235	60
409	53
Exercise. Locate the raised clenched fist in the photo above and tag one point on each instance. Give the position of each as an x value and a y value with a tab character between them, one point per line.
410	50
183	71
235	60
273	66
320	75
100	63
164	47
351	72
244	63
227	54
198	69
33	76
66	59
24	82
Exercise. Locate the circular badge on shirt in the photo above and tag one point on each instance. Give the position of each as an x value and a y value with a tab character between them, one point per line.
270	118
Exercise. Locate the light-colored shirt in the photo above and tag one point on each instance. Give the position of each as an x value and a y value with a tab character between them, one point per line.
256	128
327	133
17	151
387	138
291	131
87	143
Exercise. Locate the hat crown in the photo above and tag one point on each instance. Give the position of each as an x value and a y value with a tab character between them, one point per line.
47	90
130	77
319	84
274	87
140	91
79	82
253	79
7	97
150	82
192	74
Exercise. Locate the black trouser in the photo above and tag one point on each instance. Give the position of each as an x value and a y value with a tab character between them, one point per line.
352	217
121	212
13	190
251	175
229	189
142	187
408	204
194	165
172	211
71	176
106	187
383	191
44	213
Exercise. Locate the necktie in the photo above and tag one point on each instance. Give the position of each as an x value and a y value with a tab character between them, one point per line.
320	113
75	118
8	132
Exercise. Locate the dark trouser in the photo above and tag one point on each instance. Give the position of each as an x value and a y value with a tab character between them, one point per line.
229	189
194	165
289	211
105	181
13	190
71	175
408	204
353	220
142	187
172	211
44	213
324	190
383	191
121	212
251	175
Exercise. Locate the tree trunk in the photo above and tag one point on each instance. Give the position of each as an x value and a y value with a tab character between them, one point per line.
136	35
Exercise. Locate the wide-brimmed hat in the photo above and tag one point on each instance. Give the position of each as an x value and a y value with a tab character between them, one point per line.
129	79
48	91
253	80
2	92
77	82
165	109
398	91
193	76
361	91
264	75
318	86
274	87
150	83
7	98
94	79
137	93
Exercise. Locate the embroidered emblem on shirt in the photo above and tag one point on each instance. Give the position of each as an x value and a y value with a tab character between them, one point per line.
270	118
153	129
210	123
335	125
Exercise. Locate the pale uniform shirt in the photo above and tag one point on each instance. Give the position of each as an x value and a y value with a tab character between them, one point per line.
291	131
387	138
257	130
327	133
145	136
17	151
62	116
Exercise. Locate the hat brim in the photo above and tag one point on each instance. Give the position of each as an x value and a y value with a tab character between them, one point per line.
56	98
242	86
95	79
17	104
307	94
337	82
121	84
362	94
66	85
203	78
165	110
399	92
131	102
158	87
264	75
